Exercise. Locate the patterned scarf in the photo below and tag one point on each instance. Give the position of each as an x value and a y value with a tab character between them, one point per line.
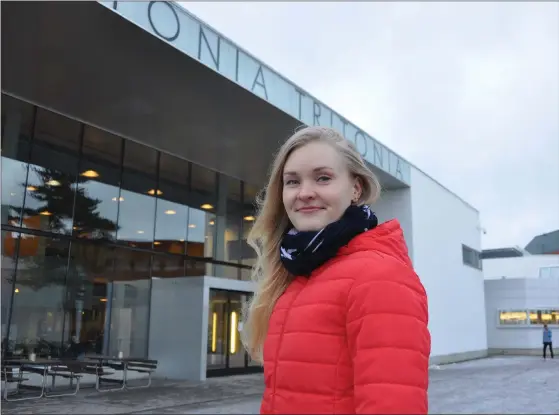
302	252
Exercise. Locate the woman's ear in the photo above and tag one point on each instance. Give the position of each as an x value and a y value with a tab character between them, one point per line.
357	190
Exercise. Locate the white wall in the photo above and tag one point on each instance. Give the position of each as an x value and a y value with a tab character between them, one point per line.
518	294
442	222
396	204
177	330
518	267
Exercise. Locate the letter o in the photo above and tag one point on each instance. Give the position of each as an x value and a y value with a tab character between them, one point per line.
168	38
360	134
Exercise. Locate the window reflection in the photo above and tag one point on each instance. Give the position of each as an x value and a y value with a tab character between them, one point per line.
98	196
172	211
9	249
202	219
38	310
52	175
17	121
138	196
249	216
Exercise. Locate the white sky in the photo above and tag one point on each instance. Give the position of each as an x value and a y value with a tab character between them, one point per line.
467	91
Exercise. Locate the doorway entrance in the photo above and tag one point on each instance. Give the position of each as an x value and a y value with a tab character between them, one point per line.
226	354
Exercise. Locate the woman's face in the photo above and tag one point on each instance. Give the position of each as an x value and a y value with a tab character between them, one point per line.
317	186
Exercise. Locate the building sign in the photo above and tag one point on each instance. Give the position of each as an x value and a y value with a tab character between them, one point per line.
173	24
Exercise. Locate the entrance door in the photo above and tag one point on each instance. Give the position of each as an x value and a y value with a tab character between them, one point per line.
226	354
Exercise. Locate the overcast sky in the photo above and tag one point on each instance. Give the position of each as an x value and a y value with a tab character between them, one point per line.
466	91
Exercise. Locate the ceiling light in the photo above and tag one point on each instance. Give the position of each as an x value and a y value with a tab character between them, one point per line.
53	182
31	188
119	199
170	212
90	173
16	290
103	300
206	206
45	213
249	218
153	191
192	225
212	222
157	243
12	194
181	240
140	232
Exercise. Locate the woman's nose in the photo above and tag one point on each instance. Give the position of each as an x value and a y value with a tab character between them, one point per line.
306	192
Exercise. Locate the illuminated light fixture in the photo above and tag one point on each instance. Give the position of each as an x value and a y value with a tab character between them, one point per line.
53	182
192	225
206	206
75	228
153	191
31	188
233	334
16	290
103	300
140	232
212	222
170	212
249	218
12	194
214	332
181	240
45	213
157	243
118	199
90	174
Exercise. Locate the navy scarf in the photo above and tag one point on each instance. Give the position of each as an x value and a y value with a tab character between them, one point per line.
302	252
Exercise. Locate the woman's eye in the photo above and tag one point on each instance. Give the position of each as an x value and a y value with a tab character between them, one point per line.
290	182
324	178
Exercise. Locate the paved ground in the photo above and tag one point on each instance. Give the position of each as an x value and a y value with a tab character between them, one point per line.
496	385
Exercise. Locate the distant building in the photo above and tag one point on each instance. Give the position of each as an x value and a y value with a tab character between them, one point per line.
544	244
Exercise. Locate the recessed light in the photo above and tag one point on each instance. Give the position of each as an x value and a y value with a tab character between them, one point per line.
157	243
170	212
103	300
206	206
31	188
90	173
181	240
249	218
45	213
153	191
118	199
12	194
16	290
212	222
140	232
192	225
53	182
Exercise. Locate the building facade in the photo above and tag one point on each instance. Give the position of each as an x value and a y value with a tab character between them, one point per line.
135	139
517	309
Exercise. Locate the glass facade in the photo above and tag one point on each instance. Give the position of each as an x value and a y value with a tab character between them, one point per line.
89	218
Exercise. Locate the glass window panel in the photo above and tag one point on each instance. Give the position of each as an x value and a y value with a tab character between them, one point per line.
172	205
543	317
513	317
201	218
9	251
86	301
128	298
37	323
168	266
249	216
138	196
17	124
52	175
98	197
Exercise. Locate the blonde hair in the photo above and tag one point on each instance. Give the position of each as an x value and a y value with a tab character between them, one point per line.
270	276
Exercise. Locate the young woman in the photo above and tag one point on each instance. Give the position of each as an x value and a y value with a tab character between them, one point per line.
339	317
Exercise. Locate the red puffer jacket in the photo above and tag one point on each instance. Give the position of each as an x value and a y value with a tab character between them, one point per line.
353	337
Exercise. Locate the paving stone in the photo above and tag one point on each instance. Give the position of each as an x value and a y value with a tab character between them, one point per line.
506	385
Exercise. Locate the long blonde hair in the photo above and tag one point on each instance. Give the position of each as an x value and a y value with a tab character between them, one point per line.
270	276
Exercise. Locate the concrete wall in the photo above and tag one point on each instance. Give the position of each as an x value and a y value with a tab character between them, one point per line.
442	222
518	294
520	267
177	327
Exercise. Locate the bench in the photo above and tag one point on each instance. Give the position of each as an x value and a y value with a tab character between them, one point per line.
141	366
72	370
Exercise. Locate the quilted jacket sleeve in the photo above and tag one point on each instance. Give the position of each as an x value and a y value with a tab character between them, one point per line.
388	339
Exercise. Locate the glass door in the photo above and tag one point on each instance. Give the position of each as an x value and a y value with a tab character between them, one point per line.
226	353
